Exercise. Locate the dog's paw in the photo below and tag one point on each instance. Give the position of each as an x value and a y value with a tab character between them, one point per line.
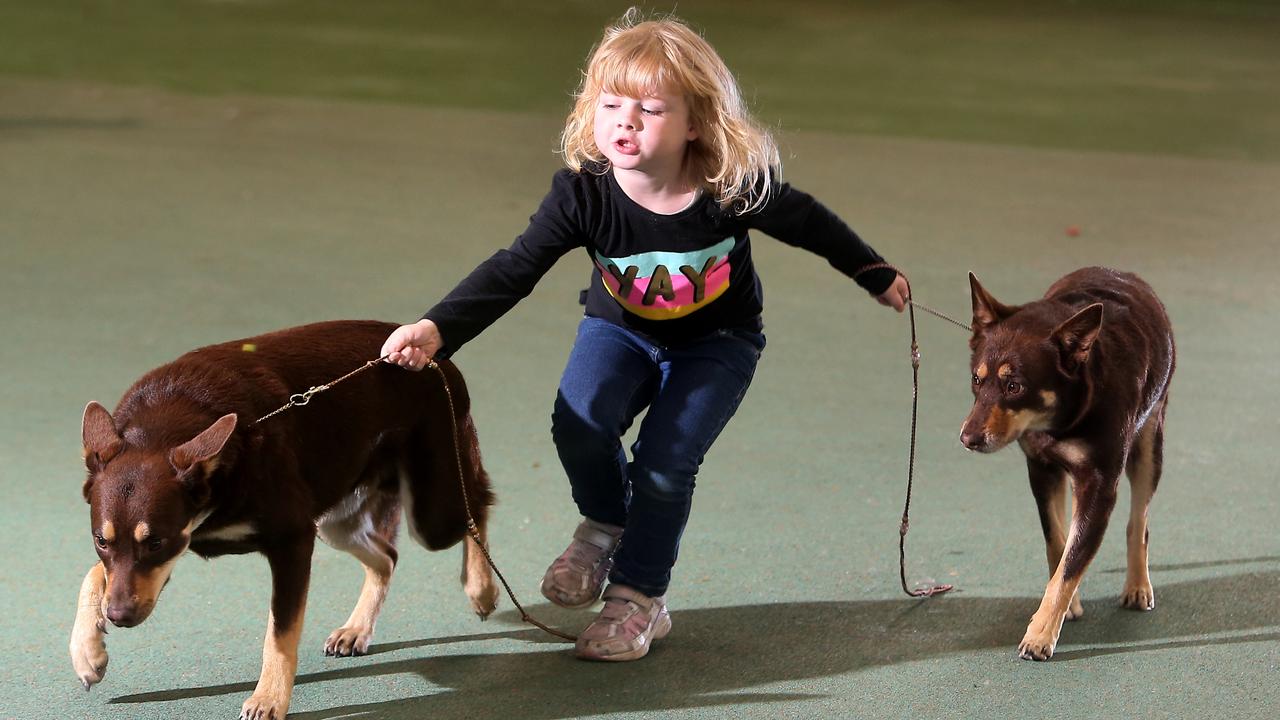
483	596
1035	649
261	706
1138	597
348	641
1075	610
1039	640
89	657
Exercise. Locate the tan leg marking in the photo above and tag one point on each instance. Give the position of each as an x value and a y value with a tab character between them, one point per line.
1138	593
1056	544
477	577
270	699
88	647
354	636
1042	633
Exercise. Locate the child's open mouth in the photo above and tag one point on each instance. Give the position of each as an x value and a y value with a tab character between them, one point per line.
626	147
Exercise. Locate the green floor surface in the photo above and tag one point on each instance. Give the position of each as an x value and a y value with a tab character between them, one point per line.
141	218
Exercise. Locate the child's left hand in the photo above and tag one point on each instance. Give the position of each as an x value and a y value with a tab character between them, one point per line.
897	296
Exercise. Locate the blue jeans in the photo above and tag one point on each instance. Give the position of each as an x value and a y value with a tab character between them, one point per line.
690	391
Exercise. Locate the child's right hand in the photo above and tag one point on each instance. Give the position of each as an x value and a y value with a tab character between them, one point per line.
411	346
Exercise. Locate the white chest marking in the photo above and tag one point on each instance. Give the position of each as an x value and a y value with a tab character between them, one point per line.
230	533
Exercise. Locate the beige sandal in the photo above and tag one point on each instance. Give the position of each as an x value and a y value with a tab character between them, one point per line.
575	578
628	624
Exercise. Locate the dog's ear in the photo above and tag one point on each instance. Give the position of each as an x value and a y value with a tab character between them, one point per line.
987	311
1076	335
101	439
197	458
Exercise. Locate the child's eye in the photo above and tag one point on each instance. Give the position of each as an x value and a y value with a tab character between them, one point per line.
609	106
649	111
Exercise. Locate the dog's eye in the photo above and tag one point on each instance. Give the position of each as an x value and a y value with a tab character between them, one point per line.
1013	387
976	379
154	544
101	541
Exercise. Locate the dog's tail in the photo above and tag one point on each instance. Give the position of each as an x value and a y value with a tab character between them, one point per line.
443	487
443	480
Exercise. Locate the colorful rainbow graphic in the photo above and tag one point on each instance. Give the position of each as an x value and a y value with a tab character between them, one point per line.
667	285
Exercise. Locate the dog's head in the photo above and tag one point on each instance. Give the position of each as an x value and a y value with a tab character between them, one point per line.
1027	366
144	503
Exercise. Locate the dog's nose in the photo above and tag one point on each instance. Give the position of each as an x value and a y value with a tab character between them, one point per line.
973	440
122	615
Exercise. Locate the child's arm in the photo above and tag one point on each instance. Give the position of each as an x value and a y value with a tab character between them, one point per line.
497	284
797	218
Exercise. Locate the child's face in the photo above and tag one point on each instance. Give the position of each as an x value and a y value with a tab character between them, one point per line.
647	134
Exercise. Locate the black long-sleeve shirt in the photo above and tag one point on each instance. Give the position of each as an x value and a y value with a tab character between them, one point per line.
672	278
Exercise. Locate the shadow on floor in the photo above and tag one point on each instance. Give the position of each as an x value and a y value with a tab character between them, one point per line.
715	656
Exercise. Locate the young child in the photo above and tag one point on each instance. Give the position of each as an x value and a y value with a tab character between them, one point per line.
667	173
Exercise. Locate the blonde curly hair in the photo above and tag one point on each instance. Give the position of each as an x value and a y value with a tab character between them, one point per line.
733	157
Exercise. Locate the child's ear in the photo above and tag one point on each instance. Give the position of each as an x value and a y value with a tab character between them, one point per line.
692	134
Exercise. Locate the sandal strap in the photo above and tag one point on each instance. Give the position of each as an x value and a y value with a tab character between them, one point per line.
596	537
631	595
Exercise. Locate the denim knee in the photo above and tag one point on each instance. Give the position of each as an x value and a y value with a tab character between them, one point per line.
663	487
576	435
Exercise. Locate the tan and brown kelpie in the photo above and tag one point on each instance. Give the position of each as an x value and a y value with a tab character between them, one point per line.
1080	378
183	465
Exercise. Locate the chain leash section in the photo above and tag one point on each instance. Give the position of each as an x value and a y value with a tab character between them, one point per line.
300	399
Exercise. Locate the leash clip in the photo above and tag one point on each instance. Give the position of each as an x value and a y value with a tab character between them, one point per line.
299	399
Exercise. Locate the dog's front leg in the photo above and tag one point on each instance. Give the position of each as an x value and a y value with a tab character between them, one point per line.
290	573
1049	486
88	649
1094	496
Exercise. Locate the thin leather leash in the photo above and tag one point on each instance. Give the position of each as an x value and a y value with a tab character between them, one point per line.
936	589
300	399
471	523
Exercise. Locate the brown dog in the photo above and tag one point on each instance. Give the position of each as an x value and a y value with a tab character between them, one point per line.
183	465
1080	379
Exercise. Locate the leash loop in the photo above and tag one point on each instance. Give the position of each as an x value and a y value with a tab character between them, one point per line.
905	525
